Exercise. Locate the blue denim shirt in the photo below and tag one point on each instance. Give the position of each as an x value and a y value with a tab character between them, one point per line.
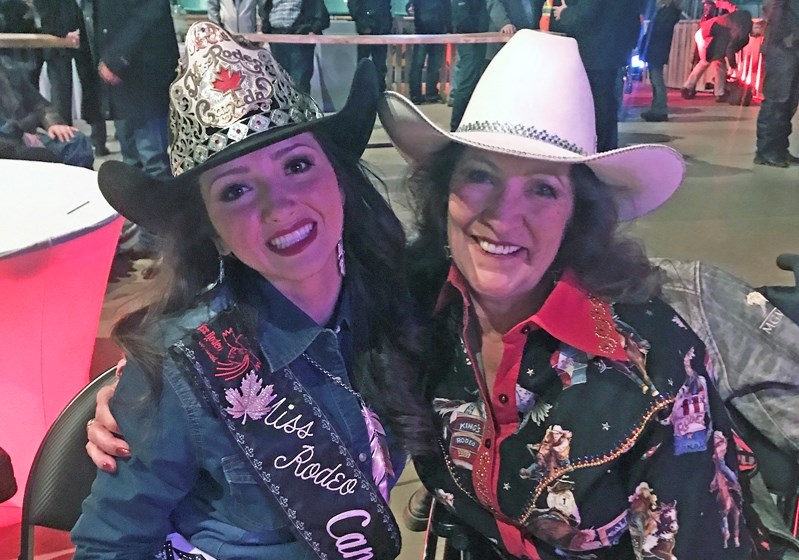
185	475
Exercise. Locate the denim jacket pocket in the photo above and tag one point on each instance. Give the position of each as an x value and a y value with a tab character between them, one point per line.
250	507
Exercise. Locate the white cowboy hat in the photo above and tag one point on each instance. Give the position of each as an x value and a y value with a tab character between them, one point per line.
534	101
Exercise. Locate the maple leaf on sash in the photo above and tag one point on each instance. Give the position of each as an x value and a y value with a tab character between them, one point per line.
251	399
227	81
381	460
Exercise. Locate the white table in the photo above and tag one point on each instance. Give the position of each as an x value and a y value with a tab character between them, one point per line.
57	241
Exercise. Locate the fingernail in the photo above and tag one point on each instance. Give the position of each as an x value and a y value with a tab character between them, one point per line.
107	466
124	451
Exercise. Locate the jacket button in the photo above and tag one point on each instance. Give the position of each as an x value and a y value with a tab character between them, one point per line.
362	457
488	443
525	329
503	398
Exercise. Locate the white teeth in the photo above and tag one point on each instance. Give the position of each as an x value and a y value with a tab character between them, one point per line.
292	238
494	249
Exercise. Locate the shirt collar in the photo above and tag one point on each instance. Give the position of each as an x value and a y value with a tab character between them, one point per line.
284	330
570	314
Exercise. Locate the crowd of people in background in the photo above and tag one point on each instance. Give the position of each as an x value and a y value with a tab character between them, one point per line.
122	81
118	83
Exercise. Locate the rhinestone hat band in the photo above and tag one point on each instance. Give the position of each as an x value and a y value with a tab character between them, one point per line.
530	132
225	93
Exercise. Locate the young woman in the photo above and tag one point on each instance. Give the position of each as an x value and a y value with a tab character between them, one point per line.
578	418
256	383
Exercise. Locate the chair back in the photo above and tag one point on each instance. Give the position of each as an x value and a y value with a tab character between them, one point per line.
62	473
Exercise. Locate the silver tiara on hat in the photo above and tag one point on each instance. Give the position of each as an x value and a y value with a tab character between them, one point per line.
226	92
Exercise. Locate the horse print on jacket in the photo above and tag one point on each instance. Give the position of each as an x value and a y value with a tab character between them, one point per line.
653	525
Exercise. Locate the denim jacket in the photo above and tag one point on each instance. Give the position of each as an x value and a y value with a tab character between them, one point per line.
185	475
753	346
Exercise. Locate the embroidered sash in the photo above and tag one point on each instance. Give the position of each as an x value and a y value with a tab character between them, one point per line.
291	446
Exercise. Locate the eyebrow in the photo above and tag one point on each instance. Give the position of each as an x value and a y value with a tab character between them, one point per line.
277	155
479	159
283	151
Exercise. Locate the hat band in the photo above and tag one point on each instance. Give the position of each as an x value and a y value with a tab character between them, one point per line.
530	132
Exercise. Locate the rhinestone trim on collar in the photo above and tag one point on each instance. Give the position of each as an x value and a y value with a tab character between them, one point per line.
530	132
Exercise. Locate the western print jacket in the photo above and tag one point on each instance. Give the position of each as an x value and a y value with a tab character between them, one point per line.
603	436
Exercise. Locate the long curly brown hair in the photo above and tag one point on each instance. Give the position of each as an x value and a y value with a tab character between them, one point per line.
386	331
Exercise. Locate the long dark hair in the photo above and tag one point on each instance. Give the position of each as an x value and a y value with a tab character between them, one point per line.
608	263
385	328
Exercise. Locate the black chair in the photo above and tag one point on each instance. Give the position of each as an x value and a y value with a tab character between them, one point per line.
62	473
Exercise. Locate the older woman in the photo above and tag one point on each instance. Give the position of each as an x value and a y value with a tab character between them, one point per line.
577	414
253	384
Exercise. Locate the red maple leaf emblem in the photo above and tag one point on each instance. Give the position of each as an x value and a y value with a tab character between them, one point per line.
227	81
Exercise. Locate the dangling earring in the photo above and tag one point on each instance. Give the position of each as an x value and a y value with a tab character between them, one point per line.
448	252
221	277
342	268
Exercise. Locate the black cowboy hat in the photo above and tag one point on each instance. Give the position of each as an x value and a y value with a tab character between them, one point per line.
225	106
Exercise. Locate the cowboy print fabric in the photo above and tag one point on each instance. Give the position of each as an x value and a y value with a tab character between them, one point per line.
606	457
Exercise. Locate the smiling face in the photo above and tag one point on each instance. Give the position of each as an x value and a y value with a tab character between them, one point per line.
506	219
279	210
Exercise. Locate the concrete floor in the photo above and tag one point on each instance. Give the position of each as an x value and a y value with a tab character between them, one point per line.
728	212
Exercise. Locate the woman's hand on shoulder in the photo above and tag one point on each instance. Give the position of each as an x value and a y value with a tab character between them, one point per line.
105	444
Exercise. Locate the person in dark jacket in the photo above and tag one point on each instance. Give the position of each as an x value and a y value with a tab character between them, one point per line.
373	17
508	16
16	16
429	17
24	112
295	17
605	33
468	16
781	85
657	45
64	18
138	54
718	39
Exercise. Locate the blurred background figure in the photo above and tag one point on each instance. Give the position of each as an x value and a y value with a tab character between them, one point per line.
508	16
28	120
17	16
138	57
656	47
429	17
606	33
373	17
717	41
468	16
295	17
64	18
237	16
781	85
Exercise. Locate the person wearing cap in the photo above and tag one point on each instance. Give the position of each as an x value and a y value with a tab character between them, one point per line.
578	416
268	391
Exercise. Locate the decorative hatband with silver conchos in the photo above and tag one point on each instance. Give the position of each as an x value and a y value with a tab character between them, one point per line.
226	92
530	132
